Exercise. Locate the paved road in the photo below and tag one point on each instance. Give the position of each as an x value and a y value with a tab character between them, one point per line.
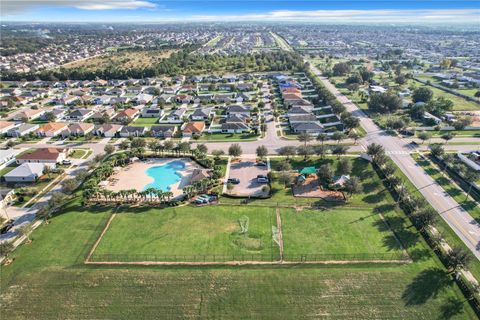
458	219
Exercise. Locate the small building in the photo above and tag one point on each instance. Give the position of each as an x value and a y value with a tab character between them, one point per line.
108	130
151	112
51	129
78	129
6	126
79	115
132	131
193	128
167	131
22	130
127	115
44	155
26	172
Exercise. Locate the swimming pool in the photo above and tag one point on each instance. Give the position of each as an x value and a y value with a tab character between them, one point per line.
165	175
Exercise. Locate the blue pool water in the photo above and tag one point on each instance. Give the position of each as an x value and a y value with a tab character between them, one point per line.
165	175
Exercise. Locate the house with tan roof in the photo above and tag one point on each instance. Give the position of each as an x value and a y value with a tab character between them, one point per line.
51	129
193	128
28	114
78	129
44	155
5	126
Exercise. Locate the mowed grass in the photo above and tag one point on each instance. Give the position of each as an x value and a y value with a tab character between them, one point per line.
146	122
48	279
183	232
338	232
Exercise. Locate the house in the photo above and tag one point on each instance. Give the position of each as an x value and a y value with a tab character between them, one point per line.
133	131
43	155
7	157
226	87
23	130
234	127
57	114
243	110
166	98
201	114
184	98
143	98
51	129
193	128
78	129
127	115
308	127
119	100
297	110
177	115
79	115
163	131
224	97
100	116
108	130
245	86
102	100
26	172
67	100
100	83
28	115
301	118
6	126
204	98
151	112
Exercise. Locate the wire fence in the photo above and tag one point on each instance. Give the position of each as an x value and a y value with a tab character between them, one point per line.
357	257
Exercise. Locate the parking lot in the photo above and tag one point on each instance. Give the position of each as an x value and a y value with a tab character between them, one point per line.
247	171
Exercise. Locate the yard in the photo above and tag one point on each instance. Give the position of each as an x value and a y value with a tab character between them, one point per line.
337	233
228	137
146	122
49	277
184	232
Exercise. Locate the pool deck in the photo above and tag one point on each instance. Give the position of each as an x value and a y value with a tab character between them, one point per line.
134	175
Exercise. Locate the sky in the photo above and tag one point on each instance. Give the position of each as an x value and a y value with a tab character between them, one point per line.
339	11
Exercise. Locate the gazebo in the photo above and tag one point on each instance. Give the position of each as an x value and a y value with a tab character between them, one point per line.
308	170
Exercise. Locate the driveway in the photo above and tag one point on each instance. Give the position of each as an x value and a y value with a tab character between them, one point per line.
247	171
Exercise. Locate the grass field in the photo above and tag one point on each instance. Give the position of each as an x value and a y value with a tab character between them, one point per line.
229	137
146	122
339	231
78	153
189	231
48	280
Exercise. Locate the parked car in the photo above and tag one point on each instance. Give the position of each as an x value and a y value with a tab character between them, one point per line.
8	225
262	176
66	162
233	180
262	180
261	163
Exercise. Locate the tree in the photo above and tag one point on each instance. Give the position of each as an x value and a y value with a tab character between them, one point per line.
325	172
477	94
384	103
422	94
109	149
448	136
69	185
57	200
124	145
374	150
168	145
138	143
354	136
462	122
43	213
458	258
341	68
304	137
49	116
5	248
284	166
262	152
217	154
353	185
202	149
425	217
235	150
344	166
423	135
437	150
285	178
25	230
287	151
304	151
47	170
322	137
471	178
338	136
339	150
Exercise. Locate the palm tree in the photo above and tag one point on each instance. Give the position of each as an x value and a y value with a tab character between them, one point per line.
151	192
322	137
304	137
338	136
169	195
471	177
425	217
374	150
458	258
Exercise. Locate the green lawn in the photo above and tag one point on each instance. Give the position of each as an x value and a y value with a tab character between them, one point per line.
8	168
459	103
78	153
48	280
146	122
173	233
228	137
339	232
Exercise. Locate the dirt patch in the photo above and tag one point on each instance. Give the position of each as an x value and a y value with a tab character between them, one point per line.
311	188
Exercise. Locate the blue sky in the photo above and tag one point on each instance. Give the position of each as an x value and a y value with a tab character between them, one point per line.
356	11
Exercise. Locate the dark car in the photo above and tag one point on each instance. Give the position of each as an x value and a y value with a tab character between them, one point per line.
7	226
233	180
261	163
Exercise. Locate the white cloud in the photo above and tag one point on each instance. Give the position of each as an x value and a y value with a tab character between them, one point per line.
440	15
9	7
